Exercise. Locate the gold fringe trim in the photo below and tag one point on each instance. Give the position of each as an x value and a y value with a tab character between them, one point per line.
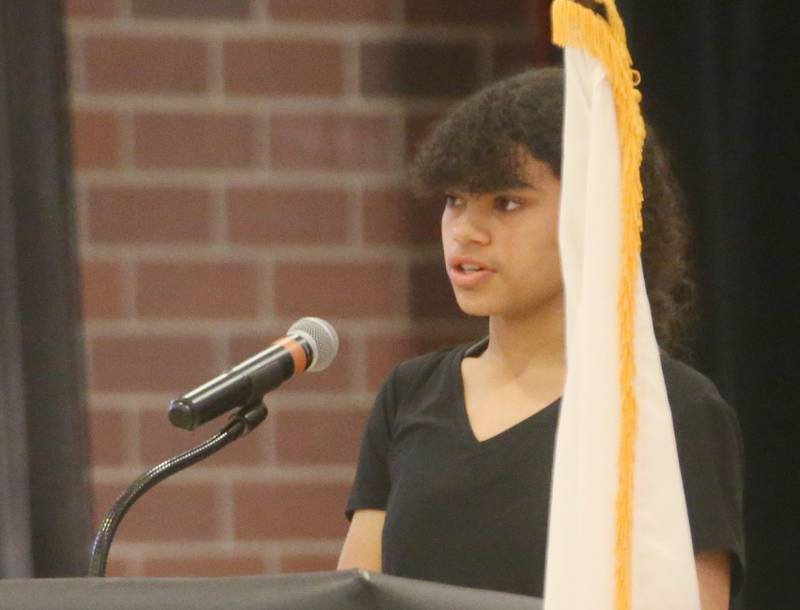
577	26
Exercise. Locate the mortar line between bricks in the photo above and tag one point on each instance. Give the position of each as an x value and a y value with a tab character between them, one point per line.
227	513
123	9
221	354
127	140
272	560
268	289
302	547
360	366
403	285
199	329
330	254
256	474
88	360
262	152
270	440
80	199
215	71
257	105
126	402
259	11
238	177
225	548
305	31
297	402
219	216
352	70
135	450
355	201
398	133
129	292
136	564
191	328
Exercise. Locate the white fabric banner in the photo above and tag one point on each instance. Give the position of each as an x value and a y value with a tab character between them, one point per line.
581	538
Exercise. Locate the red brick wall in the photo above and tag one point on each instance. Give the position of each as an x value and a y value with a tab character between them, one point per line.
239	164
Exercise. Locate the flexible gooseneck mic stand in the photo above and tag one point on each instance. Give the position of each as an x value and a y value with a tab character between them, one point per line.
241	423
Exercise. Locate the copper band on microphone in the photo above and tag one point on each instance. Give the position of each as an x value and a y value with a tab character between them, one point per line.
297	352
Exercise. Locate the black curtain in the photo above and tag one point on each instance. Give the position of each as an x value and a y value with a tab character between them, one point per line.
44	485
721	83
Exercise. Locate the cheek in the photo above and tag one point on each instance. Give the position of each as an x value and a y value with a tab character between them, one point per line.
549	237
550	220
538	234
535	255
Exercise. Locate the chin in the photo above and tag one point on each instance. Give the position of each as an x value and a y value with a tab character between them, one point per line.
473	307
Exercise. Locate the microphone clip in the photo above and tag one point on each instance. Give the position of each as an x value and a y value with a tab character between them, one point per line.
248	416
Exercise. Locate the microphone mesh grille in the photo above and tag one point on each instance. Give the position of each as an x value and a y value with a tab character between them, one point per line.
325	341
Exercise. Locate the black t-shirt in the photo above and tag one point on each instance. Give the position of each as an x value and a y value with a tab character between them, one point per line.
474	513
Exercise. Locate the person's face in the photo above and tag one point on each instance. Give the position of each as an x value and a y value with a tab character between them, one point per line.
512	235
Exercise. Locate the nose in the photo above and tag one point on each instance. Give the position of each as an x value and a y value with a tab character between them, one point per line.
468	226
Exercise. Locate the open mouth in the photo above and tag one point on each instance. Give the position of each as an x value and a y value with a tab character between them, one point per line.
469	268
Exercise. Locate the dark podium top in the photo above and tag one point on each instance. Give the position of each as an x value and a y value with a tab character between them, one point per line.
351	590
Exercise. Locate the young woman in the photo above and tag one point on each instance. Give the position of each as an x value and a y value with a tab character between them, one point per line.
453	480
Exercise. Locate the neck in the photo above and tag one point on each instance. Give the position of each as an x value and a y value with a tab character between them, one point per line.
528	346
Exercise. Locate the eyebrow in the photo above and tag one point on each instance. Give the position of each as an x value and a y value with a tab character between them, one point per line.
517	184
520	185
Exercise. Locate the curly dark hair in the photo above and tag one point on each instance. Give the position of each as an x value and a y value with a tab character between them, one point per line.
475	149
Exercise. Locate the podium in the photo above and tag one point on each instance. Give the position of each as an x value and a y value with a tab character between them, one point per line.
350	590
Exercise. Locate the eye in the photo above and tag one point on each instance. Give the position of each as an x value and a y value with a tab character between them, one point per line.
506	204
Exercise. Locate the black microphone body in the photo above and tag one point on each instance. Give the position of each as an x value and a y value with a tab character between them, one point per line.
243	384
310	344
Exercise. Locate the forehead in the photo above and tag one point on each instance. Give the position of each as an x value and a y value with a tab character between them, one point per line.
526	172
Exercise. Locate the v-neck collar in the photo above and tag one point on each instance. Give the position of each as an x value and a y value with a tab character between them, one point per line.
471	351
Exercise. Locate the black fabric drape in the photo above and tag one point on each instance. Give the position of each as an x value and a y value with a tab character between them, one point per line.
44	511
15	551
720	80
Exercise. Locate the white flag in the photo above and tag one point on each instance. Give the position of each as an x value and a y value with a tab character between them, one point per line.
586	563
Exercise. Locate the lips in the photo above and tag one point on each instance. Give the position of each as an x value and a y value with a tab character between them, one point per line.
468	278
458	262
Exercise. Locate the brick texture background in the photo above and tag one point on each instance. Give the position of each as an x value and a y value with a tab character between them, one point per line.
240	164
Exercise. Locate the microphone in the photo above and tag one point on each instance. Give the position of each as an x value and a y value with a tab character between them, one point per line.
310	344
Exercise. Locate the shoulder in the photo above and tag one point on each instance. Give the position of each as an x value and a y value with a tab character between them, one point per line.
711	456
425	372
685	382
694	398
421	369
707	432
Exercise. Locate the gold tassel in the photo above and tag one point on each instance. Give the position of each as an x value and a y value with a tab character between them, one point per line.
577	26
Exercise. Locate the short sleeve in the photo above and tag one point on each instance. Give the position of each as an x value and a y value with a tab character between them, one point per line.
371	485
710	452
